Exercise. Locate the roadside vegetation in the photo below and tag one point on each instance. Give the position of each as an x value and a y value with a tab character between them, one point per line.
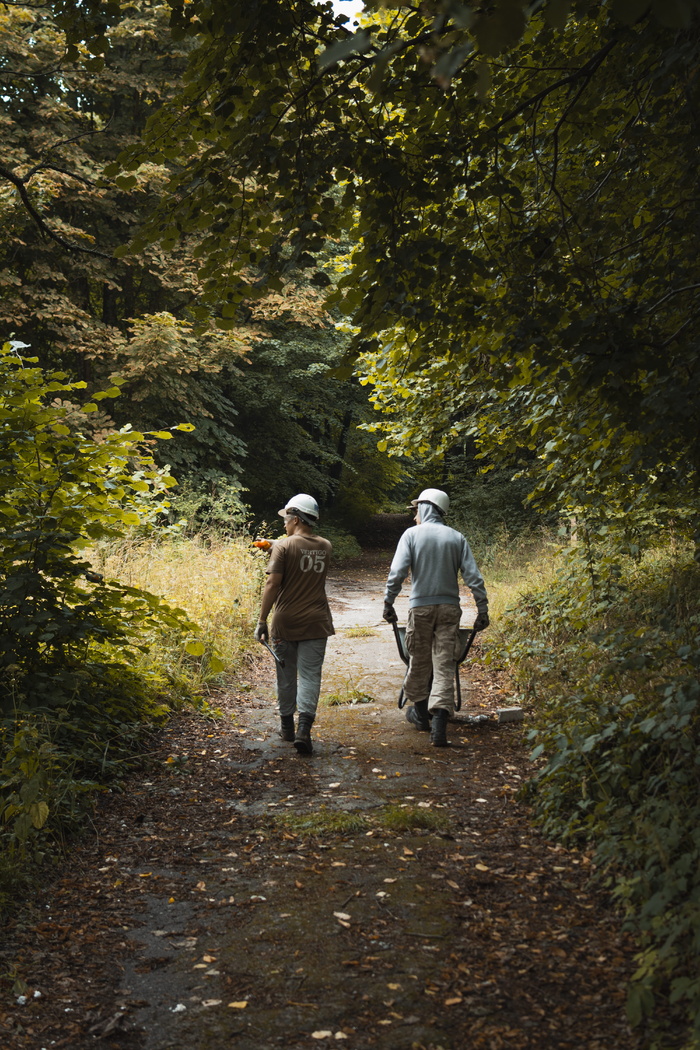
604	647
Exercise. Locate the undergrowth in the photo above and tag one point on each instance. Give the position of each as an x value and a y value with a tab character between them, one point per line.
216	579
93	719
607	652
398	818
92	657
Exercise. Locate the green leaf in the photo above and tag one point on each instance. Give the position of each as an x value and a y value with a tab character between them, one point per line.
195	648
557	13
39	814
356	44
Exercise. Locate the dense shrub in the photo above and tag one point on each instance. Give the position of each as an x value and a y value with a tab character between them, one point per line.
608	654
71	701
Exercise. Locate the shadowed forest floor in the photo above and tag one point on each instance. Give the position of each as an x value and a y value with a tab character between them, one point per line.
381	893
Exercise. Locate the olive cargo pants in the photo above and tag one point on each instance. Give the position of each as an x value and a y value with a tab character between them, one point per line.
432	643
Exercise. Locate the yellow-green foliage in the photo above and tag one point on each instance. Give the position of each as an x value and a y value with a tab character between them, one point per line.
217	581
513	564
607	652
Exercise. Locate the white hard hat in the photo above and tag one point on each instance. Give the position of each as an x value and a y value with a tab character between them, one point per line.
437	497
302	505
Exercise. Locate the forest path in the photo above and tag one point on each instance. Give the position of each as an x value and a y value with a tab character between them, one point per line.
381	893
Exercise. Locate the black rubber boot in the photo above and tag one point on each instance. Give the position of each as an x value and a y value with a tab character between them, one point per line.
287	727
418	715
302	740
438	730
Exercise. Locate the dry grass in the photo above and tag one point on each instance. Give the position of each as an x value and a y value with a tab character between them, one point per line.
515	566
360	632
216	581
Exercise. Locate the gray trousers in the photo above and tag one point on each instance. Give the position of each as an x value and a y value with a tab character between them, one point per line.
299	681
432	643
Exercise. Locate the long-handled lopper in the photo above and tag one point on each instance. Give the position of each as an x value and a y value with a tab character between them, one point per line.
271	650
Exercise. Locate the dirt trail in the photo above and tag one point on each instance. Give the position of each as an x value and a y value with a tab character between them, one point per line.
378	894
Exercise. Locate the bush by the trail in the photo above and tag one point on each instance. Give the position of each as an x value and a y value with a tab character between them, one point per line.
71	702
608	653
345	545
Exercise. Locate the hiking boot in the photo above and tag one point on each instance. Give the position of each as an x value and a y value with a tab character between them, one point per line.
302	739
287	727
418	715
438	730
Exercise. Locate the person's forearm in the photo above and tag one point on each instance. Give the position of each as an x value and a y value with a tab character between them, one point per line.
269	597
474	580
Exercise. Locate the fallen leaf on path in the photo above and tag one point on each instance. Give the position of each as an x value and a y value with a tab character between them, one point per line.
321	1034
211	1002
239	1006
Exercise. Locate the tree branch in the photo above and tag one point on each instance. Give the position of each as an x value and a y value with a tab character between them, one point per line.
46	231
669	295
586	70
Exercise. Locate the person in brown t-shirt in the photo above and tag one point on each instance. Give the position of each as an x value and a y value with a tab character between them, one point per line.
302	622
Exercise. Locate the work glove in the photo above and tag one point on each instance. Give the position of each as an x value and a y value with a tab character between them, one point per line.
261	632
389	613
482	621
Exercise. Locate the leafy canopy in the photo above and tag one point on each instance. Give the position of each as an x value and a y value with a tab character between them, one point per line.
519	187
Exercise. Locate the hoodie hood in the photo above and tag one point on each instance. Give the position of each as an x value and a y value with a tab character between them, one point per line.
429	514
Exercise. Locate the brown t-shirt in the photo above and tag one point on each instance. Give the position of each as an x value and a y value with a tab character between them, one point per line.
301	610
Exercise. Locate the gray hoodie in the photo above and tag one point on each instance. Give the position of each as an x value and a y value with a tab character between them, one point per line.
434	554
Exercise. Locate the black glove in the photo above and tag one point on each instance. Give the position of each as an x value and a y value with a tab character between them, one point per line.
482	621
389	613
261	632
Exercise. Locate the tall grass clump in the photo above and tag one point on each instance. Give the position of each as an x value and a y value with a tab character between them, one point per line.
607	652
216	580
511	562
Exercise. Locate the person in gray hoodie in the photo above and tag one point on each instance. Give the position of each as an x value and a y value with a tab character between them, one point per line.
434	555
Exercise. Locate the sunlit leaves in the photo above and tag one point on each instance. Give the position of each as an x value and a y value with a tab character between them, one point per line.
356	44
